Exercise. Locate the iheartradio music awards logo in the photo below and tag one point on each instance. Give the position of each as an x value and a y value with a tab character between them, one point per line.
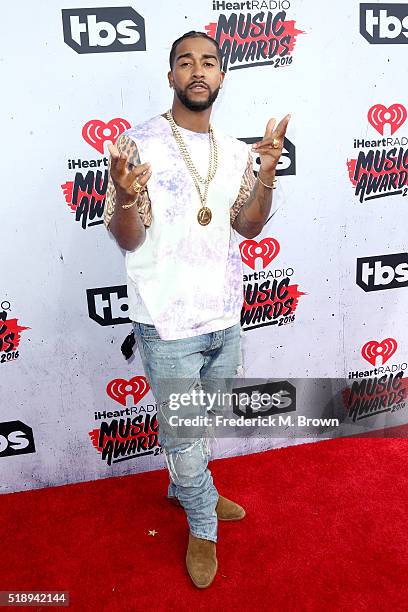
131	431
10	334
381	167
255	37
85	194
380	389
270	296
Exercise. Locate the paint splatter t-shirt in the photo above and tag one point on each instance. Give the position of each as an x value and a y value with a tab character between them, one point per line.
186	279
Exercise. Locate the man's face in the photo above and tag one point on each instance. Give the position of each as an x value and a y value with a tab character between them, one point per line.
196	75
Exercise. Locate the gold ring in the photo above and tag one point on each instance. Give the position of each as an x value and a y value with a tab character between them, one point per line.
276	143
137	187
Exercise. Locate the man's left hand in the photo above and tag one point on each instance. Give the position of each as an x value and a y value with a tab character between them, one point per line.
265	148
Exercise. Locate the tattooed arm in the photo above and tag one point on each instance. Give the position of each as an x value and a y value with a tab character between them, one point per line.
127	225
254	211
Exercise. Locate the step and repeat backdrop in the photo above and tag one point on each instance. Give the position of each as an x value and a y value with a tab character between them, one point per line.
325	284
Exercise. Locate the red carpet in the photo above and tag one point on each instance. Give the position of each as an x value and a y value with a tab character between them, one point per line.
325	530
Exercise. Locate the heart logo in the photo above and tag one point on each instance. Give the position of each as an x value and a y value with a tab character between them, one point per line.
267	249
96	132
379	115
119	388
373	349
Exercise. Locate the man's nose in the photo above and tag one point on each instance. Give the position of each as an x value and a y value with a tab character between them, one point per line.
198	71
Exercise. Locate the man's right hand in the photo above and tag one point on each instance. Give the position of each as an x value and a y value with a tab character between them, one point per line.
123	177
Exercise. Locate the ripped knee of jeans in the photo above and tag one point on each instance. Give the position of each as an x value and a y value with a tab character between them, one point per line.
188	463
196	386
240	370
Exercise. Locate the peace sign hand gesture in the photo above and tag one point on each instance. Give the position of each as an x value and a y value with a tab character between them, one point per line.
270	147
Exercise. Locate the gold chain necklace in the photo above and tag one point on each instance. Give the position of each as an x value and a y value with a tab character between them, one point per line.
204	215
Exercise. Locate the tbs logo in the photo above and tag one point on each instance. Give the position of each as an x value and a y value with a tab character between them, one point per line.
104	30
264	399
287	162
107	305
384	23
382	272
16	438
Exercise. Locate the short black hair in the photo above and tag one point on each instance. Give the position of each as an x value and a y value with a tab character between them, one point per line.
193	34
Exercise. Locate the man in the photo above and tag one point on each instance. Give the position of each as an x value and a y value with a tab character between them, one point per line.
176	192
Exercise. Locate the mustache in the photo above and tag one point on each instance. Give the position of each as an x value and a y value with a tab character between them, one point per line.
198	83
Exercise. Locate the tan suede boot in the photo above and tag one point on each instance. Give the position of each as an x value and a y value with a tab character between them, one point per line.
226	509
201	561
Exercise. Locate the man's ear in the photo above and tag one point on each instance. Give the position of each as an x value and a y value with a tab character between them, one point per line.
170	78
222	78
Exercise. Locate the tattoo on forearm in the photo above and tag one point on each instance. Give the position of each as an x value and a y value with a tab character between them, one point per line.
254	212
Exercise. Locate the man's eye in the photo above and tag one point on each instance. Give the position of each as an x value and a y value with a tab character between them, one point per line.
208	64
185	64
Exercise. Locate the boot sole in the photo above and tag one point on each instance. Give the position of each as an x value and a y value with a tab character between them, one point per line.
238	518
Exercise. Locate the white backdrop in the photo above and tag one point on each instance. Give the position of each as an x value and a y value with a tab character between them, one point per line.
55	375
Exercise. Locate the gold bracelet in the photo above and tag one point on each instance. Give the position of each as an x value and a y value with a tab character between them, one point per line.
129	205
273	186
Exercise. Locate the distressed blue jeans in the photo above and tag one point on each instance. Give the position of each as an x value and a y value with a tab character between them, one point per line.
209	362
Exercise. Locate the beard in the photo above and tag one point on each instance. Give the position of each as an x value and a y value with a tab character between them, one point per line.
199	105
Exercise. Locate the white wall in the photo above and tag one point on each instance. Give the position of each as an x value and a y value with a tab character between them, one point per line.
65	359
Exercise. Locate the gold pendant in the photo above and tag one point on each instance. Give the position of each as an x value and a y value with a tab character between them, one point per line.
204	215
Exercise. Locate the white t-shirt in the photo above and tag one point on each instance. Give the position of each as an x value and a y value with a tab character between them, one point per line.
186	279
